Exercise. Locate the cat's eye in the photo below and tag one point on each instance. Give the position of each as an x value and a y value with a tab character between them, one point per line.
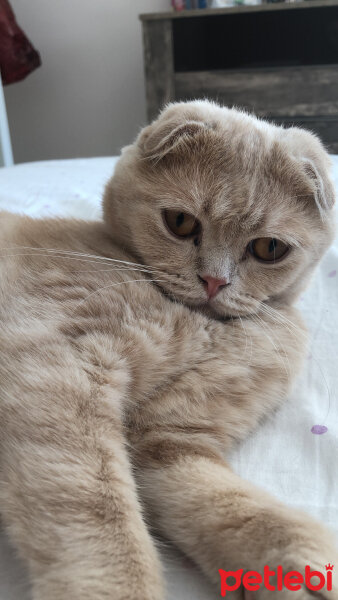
181	223
268	249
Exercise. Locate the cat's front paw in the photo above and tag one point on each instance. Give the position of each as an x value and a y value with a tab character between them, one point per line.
303	570
300	573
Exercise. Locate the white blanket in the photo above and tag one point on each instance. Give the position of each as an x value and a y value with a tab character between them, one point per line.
283	456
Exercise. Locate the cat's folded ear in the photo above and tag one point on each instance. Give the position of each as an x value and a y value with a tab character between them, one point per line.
324	194
169	136
315	163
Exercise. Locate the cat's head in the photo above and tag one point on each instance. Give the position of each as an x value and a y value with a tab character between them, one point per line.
228	210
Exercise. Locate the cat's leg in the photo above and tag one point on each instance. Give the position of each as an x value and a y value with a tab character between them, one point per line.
223	522
195	499
67	494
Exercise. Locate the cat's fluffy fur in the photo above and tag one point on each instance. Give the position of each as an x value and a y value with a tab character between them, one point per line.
107	380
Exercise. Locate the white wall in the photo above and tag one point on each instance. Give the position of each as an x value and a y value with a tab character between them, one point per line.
88	97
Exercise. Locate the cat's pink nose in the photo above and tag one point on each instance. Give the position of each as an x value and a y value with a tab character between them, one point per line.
213	285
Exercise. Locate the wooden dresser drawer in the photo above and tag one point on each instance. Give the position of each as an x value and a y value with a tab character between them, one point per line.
302	96
285	91
277	60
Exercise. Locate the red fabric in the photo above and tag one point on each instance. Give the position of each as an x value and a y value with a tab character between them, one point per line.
17	55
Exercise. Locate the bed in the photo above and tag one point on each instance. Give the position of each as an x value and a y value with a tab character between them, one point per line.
294	454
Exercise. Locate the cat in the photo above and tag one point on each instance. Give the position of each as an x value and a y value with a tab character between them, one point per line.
137	350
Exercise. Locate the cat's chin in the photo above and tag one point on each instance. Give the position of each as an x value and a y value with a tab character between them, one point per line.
218	310
222	309
211	308
222	313
209	311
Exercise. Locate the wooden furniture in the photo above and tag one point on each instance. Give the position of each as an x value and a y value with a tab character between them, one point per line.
277	60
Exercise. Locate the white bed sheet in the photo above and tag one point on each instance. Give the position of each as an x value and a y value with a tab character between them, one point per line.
283	455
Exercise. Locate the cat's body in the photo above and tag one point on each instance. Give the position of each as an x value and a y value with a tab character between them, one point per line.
108	376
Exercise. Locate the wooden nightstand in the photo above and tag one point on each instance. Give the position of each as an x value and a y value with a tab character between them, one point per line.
279	61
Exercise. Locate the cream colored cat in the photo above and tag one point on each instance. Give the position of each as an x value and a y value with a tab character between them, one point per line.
134	352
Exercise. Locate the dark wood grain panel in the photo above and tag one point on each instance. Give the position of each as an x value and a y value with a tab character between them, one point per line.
158	62
284	91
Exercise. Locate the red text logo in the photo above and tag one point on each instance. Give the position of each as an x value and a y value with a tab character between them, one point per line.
292	580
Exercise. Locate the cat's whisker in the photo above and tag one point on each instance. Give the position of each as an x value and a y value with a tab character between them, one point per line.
43	255
77	254
40	254
245	334
284	359
116	284
281	319
112	268
284	321
246	338
109	259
